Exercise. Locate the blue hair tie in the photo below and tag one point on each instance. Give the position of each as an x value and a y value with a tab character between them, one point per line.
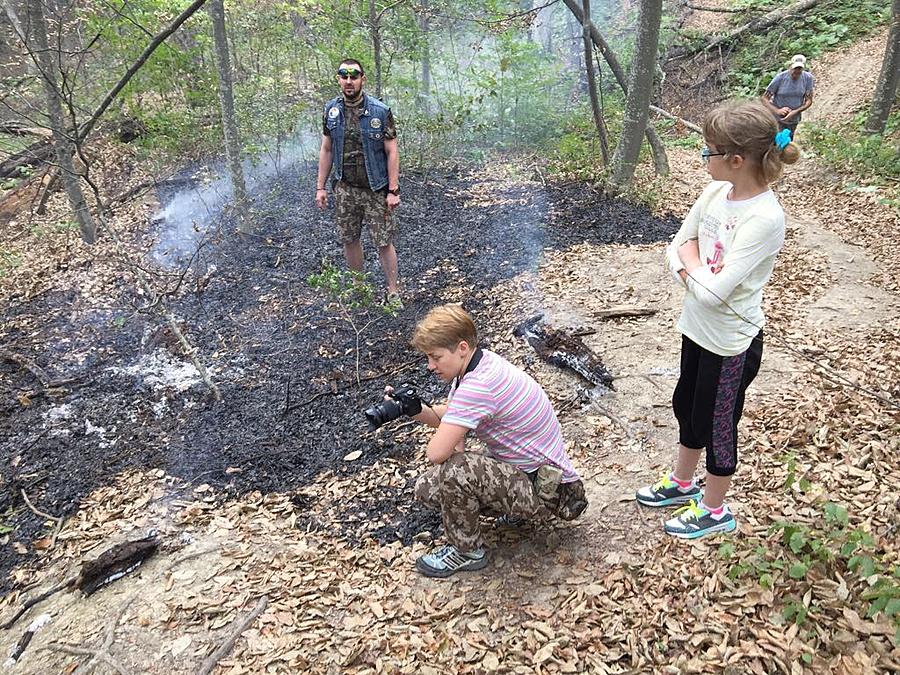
782	138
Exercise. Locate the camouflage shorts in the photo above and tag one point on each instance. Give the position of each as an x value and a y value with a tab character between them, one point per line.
468	484
354	205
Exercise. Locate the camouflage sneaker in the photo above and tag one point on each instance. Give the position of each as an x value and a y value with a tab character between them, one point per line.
667	492
448	560
694	521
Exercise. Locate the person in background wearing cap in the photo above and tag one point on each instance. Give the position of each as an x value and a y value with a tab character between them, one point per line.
790	93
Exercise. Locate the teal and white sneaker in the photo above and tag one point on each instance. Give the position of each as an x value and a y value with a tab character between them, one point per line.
443	562
666	492
694	521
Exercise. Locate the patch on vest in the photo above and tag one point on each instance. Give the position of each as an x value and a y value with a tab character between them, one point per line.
334	112
375	123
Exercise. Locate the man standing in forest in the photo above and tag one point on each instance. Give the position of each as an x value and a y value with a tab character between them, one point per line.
359	152
790	93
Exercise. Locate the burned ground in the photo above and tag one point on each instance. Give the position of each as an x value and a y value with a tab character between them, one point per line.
283	359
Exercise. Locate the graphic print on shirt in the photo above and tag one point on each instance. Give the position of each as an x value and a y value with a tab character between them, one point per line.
714	229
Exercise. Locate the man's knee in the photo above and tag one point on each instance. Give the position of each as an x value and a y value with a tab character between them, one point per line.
428	487
455	469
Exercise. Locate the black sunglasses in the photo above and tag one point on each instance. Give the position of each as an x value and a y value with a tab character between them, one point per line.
352	73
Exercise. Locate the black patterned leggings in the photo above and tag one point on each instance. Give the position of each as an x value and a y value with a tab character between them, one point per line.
709	399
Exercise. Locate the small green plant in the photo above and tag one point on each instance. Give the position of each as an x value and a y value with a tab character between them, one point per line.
351	293
9	261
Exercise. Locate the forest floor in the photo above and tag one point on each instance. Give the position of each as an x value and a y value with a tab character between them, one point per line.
279	490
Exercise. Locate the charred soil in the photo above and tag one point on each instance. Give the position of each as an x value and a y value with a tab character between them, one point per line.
284	359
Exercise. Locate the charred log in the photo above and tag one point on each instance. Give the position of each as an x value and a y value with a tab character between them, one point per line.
564	350
115	563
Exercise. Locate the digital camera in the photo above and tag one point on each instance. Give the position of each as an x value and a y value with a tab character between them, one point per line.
404	400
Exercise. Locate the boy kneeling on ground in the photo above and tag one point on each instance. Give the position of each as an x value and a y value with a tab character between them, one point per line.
511	414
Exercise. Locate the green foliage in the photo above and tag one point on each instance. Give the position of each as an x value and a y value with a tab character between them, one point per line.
9	261
832	22
348	288
873	159
577	155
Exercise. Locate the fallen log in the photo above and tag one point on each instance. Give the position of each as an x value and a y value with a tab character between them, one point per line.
564	350
687	125
623	311
754	25
114	563
15	128
39	152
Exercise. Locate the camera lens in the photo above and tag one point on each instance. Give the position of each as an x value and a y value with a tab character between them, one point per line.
382	413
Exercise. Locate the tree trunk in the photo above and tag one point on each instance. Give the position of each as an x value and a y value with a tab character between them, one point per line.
888	79
12	13
592	85
63	143
660	160
425	26
375	30
640	88
543	25
229	123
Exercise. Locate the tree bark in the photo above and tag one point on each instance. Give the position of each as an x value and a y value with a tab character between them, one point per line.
888	79
656	146
229	123
640	88
375	32
63	142
592	84
424	26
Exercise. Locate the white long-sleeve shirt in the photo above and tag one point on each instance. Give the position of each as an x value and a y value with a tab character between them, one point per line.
723	310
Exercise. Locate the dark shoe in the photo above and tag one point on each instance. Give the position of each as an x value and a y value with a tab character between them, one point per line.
509	521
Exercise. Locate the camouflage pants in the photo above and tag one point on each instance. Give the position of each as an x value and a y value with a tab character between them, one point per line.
469	483
355	205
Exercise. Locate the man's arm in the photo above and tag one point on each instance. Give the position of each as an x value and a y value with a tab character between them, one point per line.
447	440
393	170
807	101
431	415
325	154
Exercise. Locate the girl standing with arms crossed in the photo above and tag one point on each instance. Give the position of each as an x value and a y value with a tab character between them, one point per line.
724	254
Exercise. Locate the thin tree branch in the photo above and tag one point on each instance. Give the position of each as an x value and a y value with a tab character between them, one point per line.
228	644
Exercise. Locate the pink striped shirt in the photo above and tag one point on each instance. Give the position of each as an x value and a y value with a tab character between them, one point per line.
511	414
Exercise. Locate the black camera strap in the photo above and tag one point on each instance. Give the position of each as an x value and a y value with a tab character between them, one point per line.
473	363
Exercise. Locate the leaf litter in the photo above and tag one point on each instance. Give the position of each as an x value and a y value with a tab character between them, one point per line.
338	569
